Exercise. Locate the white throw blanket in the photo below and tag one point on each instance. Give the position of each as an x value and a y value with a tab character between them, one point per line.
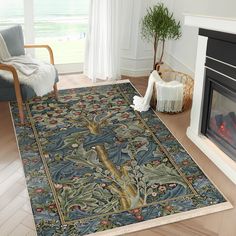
38	75
169	95
143	103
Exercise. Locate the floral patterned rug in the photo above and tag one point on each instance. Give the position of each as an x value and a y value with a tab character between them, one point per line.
92	163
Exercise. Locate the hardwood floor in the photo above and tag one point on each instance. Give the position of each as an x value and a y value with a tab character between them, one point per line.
15	211
16	217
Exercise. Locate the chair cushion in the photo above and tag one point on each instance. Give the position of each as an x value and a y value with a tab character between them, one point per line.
7	90
14	39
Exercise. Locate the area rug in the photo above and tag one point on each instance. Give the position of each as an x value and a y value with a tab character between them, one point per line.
94	165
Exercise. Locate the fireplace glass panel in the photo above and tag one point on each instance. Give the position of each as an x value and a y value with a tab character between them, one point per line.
222	122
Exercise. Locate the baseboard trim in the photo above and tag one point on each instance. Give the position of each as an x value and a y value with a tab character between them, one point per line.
71	68
135	73
176	64
169	60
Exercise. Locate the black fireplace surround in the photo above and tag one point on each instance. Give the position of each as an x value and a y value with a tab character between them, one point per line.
219	104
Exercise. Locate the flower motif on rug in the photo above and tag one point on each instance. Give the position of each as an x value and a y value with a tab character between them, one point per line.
93	164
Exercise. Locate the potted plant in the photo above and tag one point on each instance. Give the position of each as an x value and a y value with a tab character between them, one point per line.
159	25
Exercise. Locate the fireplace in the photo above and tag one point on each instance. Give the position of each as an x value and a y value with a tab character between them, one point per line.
219	103
219	112
213	115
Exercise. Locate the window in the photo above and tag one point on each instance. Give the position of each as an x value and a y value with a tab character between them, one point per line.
12	12
61	24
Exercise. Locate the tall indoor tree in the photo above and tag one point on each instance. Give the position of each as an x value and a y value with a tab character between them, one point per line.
159	25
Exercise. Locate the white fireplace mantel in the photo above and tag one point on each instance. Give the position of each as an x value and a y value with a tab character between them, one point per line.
217	156
222	24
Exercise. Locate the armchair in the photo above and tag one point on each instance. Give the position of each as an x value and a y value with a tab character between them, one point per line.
15	91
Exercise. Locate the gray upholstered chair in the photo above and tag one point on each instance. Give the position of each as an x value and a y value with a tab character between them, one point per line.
14	91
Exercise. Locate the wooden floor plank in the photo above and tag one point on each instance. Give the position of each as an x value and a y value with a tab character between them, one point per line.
23	230
13	222
9	210
10	195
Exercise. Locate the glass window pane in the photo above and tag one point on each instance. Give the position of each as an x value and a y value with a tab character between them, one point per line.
11	13
63	25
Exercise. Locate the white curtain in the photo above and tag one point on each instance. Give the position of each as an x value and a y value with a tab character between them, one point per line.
102	54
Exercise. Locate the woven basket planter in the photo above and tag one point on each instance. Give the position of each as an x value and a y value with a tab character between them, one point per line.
186	80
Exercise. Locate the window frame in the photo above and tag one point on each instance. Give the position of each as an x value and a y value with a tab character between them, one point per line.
29	33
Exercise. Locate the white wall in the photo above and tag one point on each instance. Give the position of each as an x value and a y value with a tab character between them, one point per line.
181	54
137	55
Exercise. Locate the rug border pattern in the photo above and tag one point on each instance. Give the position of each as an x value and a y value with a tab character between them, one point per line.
164	219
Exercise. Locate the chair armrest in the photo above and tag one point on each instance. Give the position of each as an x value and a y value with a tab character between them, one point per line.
43	46
11	69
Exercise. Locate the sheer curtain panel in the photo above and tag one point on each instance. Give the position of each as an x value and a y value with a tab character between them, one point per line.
102	54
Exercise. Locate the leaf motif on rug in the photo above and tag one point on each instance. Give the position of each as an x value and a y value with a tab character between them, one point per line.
162	174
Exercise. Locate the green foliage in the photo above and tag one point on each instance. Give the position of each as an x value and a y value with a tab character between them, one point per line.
162	174
159	25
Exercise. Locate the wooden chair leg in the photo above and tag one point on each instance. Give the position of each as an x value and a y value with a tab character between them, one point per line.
19	101
21	112
18	96
55	91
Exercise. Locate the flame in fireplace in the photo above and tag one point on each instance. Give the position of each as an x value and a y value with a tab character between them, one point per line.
224	126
